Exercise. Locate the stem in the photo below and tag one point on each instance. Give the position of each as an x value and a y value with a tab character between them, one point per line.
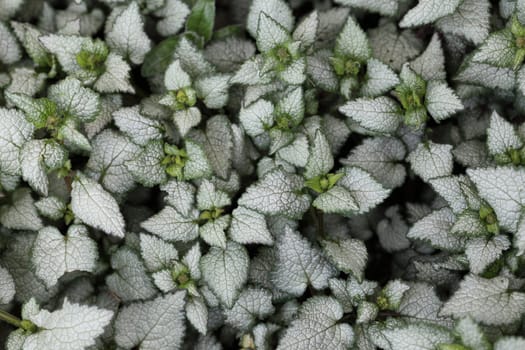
12	320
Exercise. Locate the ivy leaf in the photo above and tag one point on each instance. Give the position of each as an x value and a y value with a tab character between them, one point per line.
486	300
96	207
316	327
277	193
127	36
202	18
379	115
226	271
299	265
253	304
431	160
57	327
154	324
16	132
427	11
55	254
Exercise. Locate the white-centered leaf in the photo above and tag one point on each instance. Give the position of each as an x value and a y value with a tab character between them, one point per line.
504	189
352	42
366	191
156	253
431	160
171	225
380	115
435	229
127	36
317	327
320	160
276	9
277	194
55	254
441	101
73	327
96	207
270	34
75	100
16	131
348	255
501	136
482	252
253	304
249	227
226	271
427	11
486	300
7	286
416	336
152	325
299	264
430	65
471	19
22	213
138	127
9	49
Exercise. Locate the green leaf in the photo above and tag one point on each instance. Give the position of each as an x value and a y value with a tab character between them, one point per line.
159	58
202	19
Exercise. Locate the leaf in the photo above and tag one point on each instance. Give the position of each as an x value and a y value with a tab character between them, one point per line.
7	286
276	9
502	188
21	214
217	144
16	132
174	14
451	189
107	162
501	136
249	227
392	231
348	255
154	324
156	253
380	156
482	252
202	19
430	65
213	232
299	265
127	36
337	200
509	343
393	47
352	42
471	19
379	115
416	336
213	90
65	48
171	225
55	254
129	280
316	327
441	101
277	194
486	300
74	100
498	50
253	304
482	74
226	271
366	191
380	79
270	34
435	229
58	330
159	57
427	11
383	7
9	49
146	166
306	30
116	77
96	207
431	160
139	128
256	117
320	161
175	77
33	158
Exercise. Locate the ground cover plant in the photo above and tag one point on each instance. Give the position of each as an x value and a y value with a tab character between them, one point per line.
262	174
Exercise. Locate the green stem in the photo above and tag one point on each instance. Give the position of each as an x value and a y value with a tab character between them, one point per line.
12	320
